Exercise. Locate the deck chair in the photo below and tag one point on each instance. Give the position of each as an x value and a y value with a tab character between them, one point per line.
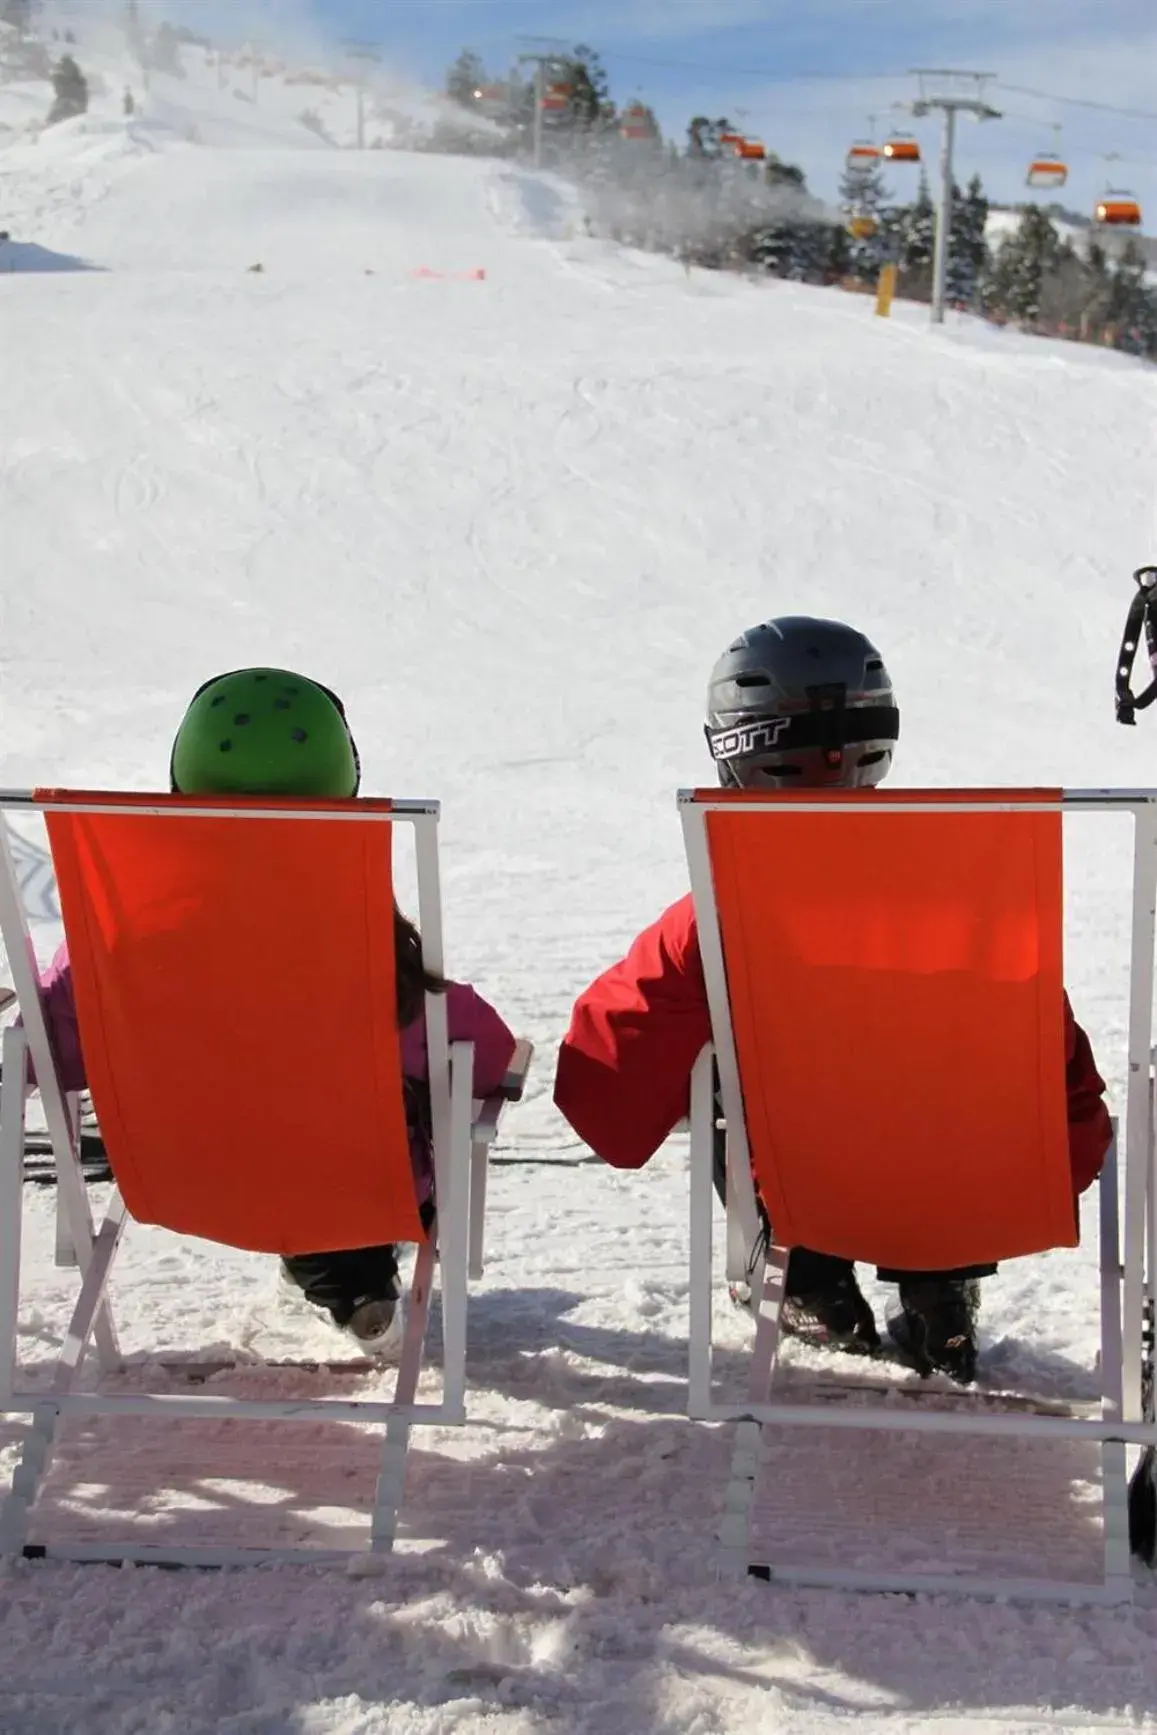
863	953
233	970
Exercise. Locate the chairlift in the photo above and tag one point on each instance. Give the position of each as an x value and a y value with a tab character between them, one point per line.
902	148
556	98
1047	170
863	154
636	123
751	151
730	141
861	225
1118	209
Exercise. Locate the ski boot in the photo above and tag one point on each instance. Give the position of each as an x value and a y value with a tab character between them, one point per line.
824	1305
936	1325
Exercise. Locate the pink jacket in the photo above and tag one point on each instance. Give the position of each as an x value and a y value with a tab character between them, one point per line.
470	1018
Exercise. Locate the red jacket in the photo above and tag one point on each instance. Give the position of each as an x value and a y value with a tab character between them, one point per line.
624	1068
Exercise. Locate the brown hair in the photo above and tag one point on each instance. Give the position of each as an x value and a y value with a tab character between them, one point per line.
414	980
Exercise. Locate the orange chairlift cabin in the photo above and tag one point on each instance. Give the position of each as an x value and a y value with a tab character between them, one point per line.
862	154
1048	168
556	97
636	123
1118	209
751	151
730	141
901	148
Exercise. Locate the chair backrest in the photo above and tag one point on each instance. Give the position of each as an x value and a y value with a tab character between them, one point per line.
893	971
235	989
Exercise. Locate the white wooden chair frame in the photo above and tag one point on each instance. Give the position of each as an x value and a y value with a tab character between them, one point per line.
1128	1289
462	1135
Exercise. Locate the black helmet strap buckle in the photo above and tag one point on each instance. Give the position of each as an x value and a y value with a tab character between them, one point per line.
1142	615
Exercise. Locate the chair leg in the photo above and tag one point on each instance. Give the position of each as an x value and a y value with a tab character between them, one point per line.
1115	1499
13	1100
40	1440
396	1444
702	1196
479	1174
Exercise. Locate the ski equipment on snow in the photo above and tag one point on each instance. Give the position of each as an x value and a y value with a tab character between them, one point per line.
1142	614
265	732
801	703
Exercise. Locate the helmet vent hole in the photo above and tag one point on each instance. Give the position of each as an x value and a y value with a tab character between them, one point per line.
299	735
242	717
226	747
874	665
219	700
261	677
281	705
752	681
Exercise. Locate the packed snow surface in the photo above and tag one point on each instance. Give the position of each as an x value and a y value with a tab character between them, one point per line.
510	490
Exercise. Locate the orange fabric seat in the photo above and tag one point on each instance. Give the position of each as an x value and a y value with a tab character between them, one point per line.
895	983
235	991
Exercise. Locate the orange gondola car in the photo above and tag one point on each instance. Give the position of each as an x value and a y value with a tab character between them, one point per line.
636	123
1117	209
1047	170
863	154
901	149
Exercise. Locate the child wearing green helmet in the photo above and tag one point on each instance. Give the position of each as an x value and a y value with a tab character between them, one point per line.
273	732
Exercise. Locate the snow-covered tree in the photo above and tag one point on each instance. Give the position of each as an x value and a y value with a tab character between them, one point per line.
1016	282
466	76
704	136
71	88
917	228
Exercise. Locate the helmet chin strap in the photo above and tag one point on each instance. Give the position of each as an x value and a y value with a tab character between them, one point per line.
1142	613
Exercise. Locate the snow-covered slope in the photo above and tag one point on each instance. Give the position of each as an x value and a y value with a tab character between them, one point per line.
513	518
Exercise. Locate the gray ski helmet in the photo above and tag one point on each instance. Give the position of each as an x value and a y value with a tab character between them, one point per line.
798	703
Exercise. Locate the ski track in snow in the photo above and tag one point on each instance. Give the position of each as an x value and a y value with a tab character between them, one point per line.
513	522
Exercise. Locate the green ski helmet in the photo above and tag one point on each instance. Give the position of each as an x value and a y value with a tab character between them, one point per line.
265	732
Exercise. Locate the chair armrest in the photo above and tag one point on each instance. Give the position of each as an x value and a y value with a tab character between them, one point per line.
488	1110
514	1079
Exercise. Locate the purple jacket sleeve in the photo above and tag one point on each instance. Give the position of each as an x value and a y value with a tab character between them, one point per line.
470	1019
60	1016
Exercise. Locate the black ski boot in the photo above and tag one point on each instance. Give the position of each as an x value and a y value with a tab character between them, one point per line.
936	1325
823	1303
357	1287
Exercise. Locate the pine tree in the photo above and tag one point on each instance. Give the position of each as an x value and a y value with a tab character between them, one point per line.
1128	293
918	229
780	174
967	247
71	88
590	100
1017	280
465	77
704	136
